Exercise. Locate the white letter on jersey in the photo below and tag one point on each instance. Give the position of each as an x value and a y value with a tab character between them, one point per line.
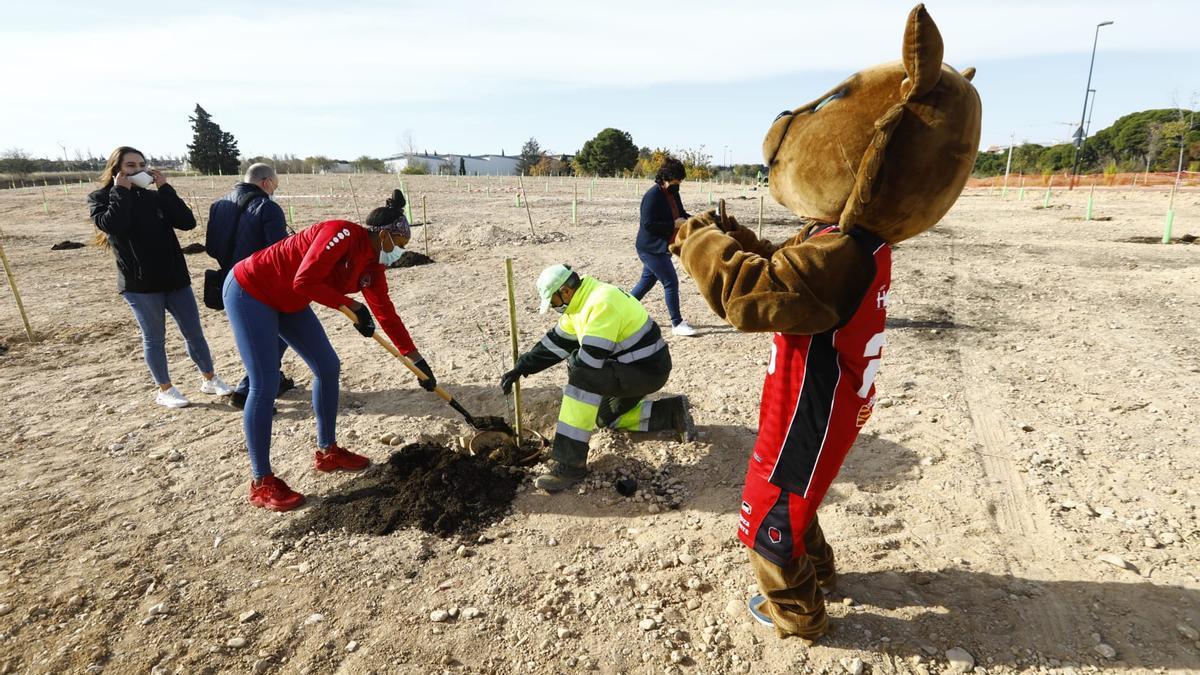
874	348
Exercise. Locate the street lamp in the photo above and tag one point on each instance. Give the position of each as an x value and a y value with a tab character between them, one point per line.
1087	92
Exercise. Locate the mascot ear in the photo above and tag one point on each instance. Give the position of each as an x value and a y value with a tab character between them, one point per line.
922	54
969	73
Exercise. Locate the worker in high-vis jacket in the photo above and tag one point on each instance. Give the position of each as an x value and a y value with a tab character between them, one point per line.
615	355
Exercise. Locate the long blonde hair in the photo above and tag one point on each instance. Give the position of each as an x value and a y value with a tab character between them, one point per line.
106	182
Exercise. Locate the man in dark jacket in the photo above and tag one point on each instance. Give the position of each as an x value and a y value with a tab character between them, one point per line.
241	223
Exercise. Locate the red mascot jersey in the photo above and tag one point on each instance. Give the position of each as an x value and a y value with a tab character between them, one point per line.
818	394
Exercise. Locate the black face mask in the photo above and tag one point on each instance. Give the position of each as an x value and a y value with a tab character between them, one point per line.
672	188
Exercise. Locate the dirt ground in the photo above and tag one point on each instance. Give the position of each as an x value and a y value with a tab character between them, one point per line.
1026	492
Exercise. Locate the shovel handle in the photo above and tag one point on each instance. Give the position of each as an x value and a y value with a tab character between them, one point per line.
396	353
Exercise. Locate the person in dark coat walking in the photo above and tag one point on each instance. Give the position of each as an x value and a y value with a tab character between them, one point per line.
138	225
241	223
662	213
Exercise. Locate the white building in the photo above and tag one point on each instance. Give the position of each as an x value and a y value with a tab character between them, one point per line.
471	165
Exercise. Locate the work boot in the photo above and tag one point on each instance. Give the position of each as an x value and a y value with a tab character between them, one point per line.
561	477
334	458
274	494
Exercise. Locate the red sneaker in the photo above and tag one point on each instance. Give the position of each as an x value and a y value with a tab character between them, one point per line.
336	458
274	494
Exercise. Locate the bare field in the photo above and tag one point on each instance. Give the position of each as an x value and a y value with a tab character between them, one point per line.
1027	490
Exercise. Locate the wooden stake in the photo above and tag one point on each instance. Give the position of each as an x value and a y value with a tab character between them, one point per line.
357	213
760	211
12	283
425	226
516	350
521	188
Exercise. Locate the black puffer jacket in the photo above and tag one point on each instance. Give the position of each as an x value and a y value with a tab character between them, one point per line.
140	225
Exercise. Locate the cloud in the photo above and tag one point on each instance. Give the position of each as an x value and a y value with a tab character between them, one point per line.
365	53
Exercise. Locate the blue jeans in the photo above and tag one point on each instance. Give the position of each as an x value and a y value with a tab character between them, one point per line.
243	386
256	330
151	309
659	267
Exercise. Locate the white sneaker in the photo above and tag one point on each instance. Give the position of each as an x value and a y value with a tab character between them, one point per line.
172	398
216	386
684	329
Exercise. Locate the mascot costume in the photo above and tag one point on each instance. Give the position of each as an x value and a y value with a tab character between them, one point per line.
877	160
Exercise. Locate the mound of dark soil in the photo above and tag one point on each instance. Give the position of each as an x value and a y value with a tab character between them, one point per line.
426	486
412	259
193	248
66	245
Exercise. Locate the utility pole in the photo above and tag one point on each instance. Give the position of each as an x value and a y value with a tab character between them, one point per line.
1087	92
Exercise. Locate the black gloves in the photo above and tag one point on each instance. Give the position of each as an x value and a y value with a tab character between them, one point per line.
365	324
430	382
508	379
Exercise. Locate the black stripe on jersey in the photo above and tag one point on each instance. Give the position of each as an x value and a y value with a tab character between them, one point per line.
869	243
773	540
806	434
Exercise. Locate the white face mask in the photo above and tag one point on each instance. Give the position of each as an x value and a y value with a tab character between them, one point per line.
561	309
388	258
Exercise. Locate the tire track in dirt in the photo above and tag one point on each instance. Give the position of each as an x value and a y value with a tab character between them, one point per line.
1021	524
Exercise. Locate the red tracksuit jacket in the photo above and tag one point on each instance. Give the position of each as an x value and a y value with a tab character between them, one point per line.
323	264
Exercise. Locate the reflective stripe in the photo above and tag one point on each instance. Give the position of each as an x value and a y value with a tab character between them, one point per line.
573	433
606	345
582	396
633	339
590	360
554	349
563	334
644	420
642	353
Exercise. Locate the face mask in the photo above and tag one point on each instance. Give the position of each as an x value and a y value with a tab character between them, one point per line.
561	309
388	258
672	188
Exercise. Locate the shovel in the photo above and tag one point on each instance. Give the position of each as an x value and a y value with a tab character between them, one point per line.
483	422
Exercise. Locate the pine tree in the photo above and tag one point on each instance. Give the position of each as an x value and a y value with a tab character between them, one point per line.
531	154
211	150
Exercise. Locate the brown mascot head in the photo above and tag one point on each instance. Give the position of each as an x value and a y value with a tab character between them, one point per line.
889	149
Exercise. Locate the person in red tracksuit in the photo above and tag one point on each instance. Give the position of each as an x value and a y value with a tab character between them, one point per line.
267	297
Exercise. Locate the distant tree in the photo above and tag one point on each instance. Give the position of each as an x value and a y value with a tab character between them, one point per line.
462	166
550	166
697	164
318	164
990	163
531	155
16	162
211	150
245	163
365	164
649	161
415	169
609	153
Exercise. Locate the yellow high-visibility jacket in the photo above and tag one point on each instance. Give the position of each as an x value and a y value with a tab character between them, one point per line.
602	322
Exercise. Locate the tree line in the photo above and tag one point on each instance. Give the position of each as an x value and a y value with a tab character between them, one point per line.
213	150
1149	140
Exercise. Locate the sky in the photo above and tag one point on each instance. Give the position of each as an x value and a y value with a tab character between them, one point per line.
361	77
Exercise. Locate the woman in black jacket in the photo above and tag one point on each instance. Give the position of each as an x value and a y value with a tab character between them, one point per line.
136	224
662	213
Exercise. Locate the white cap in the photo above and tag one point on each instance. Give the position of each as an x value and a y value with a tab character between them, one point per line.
549	281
